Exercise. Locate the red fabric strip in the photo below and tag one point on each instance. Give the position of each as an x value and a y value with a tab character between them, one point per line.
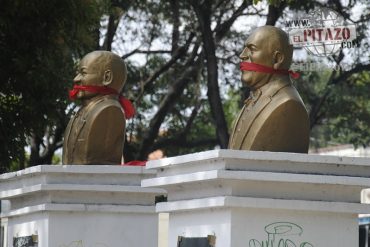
135	163
127	106
247	66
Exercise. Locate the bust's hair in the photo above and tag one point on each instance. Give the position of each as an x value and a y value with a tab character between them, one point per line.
278	40
105	60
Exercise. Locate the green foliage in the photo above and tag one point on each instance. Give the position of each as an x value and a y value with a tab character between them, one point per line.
39	43
344	116
232	106
349	116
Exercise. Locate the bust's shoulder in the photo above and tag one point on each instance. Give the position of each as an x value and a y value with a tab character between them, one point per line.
287	95
103	104
104	107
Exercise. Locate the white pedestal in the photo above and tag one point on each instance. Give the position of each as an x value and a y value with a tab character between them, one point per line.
80	206
260	199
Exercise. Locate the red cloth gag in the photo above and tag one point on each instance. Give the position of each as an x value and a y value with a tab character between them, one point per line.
247	66
135	163
127	106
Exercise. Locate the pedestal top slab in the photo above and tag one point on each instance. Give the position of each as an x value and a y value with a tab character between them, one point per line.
77	169
262	161
255	176
75	174
56	185
212	203
262	177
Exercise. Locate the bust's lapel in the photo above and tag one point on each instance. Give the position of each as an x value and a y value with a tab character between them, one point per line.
248	116
235	127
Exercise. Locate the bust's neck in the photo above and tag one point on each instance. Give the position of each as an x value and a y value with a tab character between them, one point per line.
265	84
270	89
86	102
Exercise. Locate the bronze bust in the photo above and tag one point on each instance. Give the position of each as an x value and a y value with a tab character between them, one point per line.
274	117
96	133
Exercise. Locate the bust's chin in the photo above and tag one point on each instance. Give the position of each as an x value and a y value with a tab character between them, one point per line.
85	95
249	82
247	79
254	80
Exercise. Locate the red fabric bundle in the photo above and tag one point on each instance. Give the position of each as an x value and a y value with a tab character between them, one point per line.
261	68
127	106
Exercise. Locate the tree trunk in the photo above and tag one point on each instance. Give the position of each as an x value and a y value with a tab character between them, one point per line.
274	13
113	21
204	18
175	8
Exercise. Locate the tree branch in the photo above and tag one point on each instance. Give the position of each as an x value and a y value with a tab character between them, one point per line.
315	115
223	28
175	91
191	119
138	51
180	52
180	137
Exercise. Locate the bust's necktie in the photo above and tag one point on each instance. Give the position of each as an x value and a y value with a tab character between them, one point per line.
253	97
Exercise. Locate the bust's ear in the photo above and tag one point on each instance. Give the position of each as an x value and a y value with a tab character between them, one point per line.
278	59
108	77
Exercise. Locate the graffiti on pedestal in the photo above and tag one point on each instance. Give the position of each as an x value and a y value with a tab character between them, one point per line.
281	234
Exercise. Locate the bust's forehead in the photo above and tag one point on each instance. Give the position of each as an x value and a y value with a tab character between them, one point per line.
257	37
89	59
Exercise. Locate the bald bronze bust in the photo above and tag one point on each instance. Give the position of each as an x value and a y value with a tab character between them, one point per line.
274	117
95	134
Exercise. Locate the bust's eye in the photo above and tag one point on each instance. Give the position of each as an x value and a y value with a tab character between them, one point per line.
252	48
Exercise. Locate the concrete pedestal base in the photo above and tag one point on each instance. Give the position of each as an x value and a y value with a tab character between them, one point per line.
257	228
263	199
80	206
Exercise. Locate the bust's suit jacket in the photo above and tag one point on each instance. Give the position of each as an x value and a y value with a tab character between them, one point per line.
95	134
276	120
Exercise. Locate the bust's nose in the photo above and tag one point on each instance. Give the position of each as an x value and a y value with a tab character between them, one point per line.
245	55
77	78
